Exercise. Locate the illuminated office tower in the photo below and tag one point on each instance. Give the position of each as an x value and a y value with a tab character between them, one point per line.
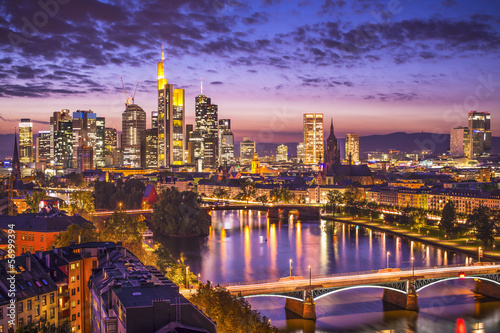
171	120
459	142
149	149
154	120
206	117
313	138
282	153
301	154
63	142
226	142
352	148
133	127
84	135
110	145
479	134
43	147
57	116
25	141
247	149
100	136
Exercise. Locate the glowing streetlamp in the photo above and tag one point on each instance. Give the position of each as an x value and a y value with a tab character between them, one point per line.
388	254
290	267
310	276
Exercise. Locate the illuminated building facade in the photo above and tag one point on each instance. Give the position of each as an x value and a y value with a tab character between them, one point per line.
57	116
352	148
150	149
43	147
313	138
301	153
154	120
84	134
100	136
206	116
226	142
63	142
247	149
282	153
459	142
133	127
25	141
171	120
479	134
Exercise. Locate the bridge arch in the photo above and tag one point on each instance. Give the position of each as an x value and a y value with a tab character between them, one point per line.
358	287
458	278
273	295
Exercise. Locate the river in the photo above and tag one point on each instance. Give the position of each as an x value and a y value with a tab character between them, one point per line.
246	246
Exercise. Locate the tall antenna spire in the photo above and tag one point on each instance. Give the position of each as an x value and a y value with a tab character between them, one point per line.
331	127
201	86
162	52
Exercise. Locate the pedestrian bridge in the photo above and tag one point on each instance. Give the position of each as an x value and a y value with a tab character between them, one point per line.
400	285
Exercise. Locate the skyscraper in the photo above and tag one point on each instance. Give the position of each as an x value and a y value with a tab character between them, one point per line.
100	136
206	117
57	116
226	142
110	145
149	149
247	150
352	147
154	120
313	138
479	134
63	141
25	141
282	153
332	151
301	154
43	147
133	127
84	135
459	142
171	120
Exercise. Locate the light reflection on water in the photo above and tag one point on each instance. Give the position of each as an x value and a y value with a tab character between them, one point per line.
246	246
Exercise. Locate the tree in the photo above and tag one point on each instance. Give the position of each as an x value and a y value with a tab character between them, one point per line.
247	191
372	207
281	194
75	180
352	196
179	214
262	199
220	192
334	198
121	227
43	326
418	218
81	202
232	314
33	201
77	234
483	221
448	218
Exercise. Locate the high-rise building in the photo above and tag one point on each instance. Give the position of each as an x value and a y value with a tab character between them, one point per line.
479	134
247	149
459	142
206	116
133	127
282	153
301	153
149	157
352	148
154	120
84	135
100	136
63	139
25	141
43	147
195	148
110	145
313	138
171	120
226	142
57	116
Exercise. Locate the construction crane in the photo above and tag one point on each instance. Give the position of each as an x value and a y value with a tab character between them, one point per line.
129	100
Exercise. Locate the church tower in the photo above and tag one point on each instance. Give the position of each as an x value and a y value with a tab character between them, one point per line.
332	152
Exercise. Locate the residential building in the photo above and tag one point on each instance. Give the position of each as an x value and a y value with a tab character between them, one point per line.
313	138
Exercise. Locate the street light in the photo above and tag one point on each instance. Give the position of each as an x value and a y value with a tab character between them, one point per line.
310	276
413	269
187	271
290	267
388	254
120	205
479	253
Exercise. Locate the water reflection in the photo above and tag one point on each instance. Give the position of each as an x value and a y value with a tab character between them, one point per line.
244	246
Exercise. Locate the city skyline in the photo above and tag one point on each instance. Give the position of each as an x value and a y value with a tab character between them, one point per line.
432	62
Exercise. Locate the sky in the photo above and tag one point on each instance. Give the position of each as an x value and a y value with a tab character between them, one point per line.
374	66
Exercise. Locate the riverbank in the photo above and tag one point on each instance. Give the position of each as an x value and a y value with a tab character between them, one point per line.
449	244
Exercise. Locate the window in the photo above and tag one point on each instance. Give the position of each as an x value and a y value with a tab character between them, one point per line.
51	298
29	319
37	310
28	305
1	329
19	308
73	304
72	266
78	277
44	282
73	317
41	238
37	297
21	321
73	292
44	300
23	236
77	289
41	249
72	279
52	312
78	314
77	264
44	316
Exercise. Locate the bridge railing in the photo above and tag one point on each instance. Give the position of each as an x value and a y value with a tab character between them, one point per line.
404	269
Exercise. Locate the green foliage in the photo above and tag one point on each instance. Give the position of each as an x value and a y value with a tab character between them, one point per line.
121	227
231	314
77	234
75	180
33	201
372	209
247	191
179	213
281	194
418	218
448	218
334	198
352	197
262	199
129	193
81	202
220	192
483	221
43	326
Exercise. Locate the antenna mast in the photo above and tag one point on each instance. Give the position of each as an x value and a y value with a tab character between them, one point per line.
133	96
201	86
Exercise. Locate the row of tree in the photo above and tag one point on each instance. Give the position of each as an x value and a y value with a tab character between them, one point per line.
247	192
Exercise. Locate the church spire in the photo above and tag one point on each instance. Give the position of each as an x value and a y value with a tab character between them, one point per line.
331	126
16	167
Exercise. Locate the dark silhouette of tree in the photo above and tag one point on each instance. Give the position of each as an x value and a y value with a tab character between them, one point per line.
448	218
483	221
77	234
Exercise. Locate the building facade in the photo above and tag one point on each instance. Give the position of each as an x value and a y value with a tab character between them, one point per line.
226	142
133	127
459	142
479	134
25	141
313	138
352	147
43	147
247	149
282	153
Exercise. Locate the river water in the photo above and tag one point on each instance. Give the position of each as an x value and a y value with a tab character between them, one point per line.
246	246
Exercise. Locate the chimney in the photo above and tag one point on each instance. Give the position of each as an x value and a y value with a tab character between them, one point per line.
47	260
28	263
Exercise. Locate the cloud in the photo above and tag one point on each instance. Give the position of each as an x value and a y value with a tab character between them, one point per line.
216	82
31	120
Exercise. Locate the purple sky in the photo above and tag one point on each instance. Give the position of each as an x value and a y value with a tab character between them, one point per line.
374	66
